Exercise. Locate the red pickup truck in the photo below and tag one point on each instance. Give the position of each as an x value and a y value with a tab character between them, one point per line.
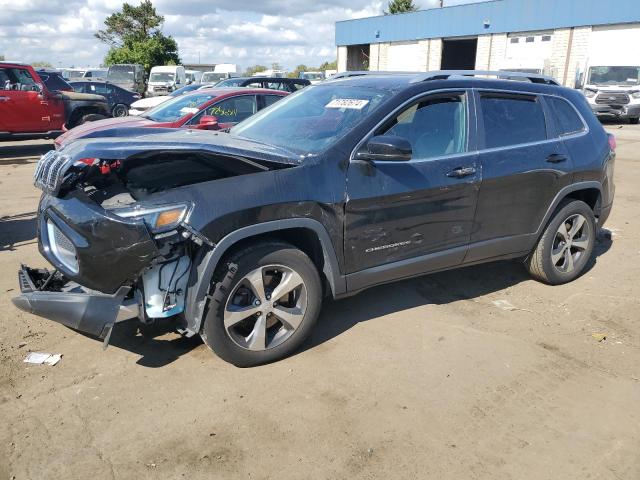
29	110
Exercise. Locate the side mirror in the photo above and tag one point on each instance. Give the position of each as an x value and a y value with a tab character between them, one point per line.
208	122
389	148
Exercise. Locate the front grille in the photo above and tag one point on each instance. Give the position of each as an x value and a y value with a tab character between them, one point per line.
612	98
49	171
63	249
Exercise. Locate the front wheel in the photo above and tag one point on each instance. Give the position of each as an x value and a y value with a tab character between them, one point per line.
269	308
120	110
566	245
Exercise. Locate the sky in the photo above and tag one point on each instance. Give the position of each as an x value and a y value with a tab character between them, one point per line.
245	32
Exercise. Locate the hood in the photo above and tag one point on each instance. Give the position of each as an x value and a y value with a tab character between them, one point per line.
87	97
150	102
122	143
96	128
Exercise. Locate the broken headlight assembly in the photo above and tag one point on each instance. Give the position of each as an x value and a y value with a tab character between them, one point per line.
159	219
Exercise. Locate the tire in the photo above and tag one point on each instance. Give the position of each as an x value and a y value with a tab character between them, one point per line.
92	117
634	121
120	110
246	333
551	261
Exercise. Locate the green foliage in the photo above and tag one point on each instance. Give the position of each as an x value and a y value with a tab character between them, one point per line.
329	66
135	36
254	69
41	64
401	6
297	70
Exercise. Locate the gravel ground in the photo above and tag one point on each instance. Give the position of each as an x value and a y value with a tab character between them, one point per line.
435	377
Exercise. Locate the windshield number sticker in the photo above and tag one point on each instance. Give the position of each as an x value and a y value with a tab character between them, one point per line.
351	103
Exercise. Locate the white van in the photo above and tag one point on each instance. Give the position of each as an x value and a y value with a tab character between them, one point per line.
193	76
164	80
222	71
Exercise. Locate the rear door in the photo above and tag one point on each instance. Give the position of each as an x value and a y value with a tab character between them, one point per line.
524	165
402	210
23	108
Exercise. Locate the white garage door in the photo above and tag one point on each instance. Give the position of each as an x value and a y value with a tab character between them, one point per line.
405	56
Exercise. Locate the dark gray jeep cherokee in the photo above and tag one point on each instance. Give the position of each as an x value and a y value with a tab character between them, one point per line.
238	236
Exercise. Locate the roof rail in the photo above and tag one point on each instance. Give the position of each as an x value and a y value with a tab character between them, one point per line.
502	75
360	73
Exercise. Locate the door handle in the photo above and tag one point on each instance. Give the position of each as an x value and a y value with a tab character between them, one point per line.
461	172
556	158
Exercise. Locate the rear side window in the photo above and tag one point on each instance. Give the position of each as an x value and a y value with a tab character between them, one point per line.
567	119
512	120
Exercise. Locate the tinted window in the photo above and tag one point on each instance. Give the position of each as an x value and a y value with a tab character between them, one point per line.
434	127
17	79
567	120
233	109
512	120
97	88
271	99
54	82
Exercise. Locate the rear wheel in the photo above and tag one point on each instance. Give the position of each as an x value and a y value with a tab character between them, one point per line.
566	245
120	110
269	309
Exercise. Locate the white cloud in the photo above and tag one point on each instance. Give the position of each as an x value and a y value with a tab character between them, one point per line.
246	32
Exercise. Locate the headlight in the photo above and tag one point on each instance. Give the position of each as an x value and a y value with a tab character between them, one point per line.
590	93
636	94
158	219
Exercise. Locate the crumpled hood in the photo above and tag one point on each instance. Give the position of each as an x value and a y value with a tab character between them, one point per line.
75	96
122	143
94	129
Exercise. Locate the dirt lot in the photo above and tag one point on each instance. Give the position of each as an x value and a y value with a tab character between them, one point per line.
426	378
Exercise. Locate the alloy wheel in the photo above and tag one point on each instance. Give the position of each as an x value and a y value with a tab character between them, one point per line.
265	308
570	243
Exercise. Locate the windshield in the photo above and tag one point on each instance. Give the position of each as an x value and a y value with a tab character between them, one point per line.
75	74
162	77
312	119
121	74
210	77
312	76
185	89
230	82
614	76
174	109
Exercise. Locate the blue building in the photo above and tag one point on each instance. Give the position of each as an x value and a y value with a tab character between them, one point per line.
556	37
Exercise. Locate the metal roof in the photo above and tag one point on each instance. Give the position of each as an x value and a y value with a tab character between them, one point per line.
496	16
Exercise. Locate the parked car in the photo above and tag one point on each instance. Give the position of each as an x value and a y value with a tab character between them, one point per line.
140	106
119	99
127	76
313	77
165	79
348	184
273	83
212	109
53	80
29	109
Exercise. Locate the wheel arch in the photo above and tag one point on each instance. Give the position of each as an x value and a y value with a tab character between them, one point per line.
305	233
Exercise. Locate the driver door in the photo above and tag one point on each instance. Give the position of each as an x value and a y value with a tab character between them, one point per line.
408	217
23	108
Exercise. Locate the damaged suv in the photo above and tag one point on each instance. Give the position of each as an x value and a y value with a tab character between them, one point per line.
351	183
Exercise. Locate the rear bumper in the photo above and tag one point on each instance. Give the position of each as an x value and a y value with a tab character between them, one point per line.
72	305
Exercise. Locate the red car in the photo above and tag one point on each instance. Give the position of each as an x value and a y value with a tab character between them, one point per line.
210	109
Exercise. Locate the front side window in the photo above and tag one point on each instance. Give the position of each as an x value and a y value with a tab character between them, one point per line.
512	120
174	109
567	119
313	119
17	79
435	126
233	110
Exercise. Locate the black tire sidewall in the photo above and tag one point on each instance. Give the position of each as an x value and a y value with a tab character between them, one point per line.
213	330
553	275
119	106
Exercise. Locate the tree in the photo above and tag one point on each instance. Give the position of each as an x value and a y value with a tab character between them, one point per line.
135	36
254	69
297	70
401	6
41	64
329	66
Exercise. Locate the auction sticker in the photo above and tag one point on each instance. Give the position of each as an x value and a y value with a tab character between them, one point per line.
352	103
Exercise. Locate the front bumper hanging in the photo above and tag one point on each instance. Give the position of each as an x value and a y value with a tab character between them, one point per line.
51	296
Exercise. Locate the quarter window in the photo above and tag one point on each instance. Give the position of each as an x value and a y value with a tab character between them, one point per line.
435	126
512	120
567	120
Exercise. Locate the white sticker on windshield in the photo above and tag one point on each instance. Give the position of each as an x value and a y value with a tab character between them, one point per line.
352	103
632	79
188	110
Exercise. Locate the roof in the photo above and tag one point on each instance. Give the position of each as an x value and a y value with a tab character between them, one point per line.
224	91
495	16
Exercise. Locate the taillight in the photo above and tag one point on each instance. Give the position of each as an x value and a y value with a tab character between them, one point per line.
612	142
